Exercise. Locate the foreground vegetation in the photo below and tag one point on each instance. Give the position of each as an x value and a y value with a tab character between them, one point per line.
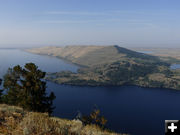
113	65
24	87
16	121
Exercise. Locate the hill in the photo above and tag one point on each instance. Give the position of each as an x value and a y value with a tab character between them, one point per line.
112	65
16	121
91	55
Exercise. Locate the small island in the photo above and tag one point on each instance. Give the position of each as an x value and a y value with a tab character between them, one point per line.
112	65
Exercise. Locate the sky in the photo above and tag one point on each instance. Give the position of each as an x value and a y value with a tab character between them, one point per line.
127	23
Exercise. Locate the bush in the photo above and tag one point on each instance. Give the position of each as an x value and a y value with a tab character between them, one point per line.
94	118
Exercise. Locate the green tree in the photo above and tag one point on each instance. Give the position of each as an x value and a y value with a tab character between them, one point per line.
25	87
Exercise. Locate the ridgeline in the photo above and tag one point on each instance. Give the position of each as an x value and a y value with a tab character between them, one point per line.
112	65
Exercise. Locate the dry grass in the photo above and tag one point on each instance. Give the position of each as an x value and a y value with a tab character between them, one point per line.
82	55
16	121
157	77
68	51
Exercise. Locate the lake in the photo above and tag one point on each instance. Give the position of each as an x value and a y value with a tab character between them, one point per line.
146	52
129	109
175	66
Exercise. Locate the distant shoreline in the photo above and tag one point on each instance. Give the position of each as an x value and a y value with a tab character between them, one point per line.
112	66
106	86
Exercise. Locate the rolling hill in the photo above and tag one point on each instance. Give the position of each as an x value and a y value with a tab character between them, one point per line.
112	65
92	55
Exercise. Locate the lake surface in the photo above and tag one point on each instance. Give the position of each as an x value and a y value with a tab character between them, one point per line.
129	109
146	52
175	66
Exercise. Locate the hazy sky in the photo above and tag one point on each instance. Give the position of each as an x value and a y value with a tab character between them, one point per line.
128	23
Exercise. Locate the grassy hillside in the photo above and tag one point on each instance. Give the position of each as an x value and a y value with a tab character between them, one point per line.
121	73
112	65
92	55
16	121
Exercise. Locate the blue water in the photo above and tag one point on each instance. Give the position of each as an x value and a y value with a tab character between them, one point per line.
175	66
146	52
12	57
129	109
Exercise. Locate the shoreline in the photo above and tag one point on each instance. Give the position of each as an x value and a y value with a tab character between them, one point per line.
96	83
108	85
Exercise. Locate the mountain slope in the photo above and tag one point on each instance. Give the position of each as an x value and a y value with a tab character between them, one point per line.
112	65
92	55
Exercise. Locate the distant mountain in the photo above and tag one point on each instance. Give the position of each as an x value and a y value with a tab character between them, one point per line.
112	65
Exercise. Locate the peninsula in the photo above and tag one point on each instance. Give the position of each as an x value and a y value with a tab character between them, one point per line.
112	65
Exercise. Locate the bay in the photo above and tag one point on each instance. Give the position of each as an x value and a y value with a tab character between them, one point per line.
129	109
